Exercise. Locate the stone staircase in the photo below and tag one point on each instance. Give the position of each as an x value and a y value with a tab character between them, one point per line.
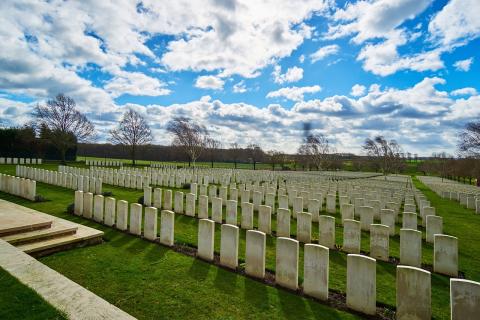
38	234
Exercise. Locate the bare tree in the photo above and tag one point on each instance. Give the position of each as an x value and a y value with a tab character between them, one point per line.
66	124
317	149
470	139
189	136
212	146
235	152
385	153
132	131
255	153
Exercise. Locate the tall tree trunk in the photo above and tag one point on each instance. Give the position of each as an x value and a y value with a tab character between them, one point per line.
133	156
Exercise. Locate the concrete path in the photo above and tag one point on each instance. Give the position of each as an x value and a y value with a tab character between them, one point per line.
64	294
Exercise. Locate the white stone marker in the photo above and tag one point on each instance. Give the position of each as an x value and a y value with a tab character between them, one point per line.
147	196
231	217
217	214
297	206
157	198
88	205
413	294
434	226
167	227
351	236
379	242
110	211
265	219
135	219
167	202
409	220
361	283
326	236
346	210
411	248
366	217
283	202
150	227
387	218
255	254
78	209
178	202
98	207
283	222
247	216
203	207
315	274
229	246
122	215
206	237
331	203
304	227
427	211
445	255
314	209
464	299
190	205
257	200
286	267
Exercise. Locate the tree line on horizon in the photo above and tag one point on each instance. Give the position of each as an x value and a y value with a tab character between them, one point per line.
59	128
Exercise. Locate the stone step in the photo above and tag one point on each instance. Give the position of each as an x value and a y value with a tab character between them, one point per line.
13	223
57	229
47	246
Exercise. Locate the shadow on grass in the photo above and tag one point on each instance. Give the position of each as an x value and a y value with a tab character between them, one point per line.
292	308
256	294
226	281
199	270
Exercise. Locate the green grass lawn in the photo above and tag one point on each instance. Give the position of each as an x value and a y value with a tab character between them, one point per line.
123	254
18	301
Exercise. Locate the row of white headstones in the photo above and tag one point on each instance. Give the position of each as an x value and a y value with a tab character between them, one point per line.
413	284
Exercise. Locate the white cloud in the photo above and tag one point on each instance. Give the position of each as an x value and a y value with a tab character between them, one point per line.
135	83
376	19
240	87
293	93
240	40
293	74
209	82
324	52
458	21
301	59
463	65
464	92
358	90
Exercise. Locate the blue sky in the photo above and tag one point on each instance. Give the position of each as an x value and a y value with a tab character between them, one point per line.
252	71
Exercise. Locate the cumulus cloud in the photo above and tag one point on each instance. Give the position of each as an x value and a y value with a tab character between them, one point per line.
324	52
293	93
469	91
463	65
358	90
136	84
293	74
457	22
240	87
209	82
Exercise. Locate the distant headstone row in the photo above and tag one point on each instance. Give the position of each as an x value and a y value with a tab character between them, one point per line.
65	180
467	195
104	163
20	161
20	187
445	247
413	289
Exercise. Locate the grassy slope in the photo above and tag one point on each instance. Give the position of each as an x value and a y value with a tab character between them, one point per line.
186	232
21	302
